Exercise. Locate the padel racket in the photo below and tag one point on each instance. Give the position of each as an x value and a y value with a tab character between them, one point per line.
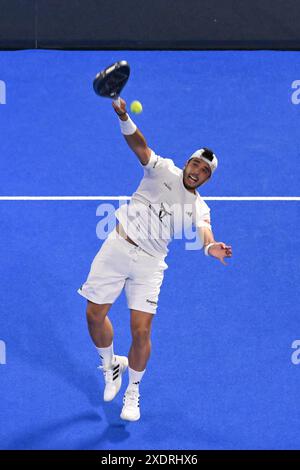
110	82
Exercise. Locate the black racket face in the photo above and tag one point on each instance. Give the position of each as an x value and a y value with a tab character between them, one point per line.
110	82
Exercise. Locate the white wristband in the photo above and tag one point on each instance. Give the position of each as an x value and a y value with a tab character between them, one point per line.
207	247
127	127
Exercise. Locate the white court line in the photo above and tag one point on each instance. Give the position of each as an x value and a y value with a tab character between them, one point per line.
253	198
64	198
127	198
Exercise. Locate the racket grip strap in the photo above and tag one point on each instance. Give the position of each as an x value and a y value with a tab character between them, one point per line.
117	101
127	127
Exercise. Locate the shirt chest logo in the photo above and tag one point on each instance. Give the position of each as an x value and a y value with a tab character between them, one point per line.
163	212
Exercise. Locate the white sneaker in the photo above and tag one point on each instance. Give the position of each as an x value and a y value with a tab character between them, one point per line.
113	376
131	404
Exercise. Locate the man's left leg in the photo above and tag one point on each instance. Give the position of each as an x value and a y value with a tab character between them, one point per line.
138	356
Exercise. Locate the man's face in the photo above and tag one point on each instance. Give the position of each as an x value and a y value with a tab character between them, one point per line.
195	173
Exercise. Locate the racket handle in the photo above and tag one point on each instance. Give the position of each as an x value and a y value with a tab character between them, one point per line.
117	101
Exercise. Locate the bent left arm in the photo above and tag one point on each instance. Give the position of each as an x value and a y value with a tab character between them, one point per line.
218	250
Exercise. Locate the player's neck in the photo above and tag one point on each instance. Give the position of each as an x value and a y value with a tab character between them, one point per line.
193	191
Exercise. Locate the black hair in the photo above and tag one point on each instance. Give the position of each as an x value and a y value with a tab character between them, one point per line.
209	154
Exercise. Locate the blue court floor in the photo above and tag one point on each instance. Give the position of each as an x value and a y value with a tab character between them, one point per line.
221	374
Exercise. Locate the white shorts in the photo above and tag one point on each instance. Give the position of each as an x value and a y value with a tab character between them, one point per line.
120	264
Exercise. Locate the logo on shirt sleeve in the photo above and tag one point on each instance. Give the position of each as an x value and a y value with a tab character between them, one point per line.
155	163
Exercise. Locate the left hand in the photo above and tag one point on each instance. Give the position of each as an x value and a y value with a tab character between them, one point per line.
220	251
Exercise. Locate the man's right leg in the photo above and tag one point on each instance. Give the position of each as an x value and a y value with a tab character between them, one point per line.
99	325
101	332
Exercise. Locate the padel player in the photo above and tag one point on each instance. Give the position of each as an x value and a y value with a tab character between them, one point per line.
133	256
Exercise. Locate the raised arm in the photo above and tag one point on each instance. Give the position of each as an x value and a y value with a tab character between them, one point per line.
135	140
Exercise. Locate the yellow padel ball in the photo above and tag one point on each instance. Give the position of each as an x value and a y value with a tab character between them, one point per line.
136	107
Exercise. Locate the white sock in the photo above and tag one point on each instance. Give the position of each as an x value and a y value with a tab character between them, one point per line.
106	355
135	377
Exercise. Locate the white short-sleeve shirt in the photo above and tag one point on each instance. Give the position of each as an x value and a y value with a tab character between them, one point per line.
161	206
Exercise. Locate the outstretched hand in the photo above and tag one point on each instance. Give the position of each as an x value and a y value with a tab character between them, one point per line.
220	251
120	109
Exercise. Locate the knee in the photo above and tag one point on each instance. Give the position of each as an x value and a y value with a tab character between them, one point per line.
96	313
141	335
